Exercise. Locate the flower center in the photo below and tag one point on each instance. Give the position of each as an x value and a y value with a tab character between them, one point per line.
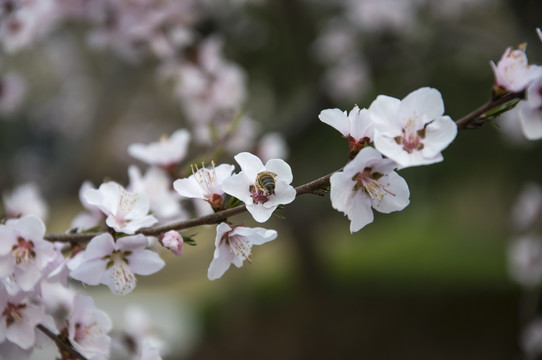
369	183
83	332
355	146
410	138
259	196
13	312
206	178
23	251
239	246
121	274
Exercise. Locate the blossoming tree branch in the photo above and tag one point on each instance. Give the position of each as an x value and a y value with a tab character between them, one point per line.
109	243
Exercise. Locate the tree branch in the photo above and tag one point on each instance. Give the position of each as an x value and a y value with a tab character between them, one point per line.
63	347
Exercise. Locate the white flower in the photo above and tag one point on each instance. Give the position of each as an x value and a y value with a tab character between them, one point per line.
25	200
272	146
24	254
530	111
531	339
173	241
234	245
368	181
156	184
88	328
126	212
205	184
527	208
18	319
512	72
357	126
525	260
412	131
247	187
86	219
169	151
115	263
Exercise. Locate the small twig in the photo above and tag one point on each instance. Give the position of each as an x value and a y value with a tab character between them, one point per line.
62	346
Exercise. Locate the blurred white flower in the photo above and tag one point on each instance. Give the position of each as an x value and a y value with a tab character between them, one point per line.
525	260
169	151
527	209
272	146
530	111
531	339
25	200
12	90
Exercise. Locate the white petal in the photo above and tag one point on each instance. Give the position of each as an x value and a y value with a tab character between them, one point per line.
360	214
119	278
238	186
223	171
256	236
337	119
438	135
423	102
397	197
189	187
361	124
145	262
281	168
132	243
341	191
383	111
222	260
90	272
250	164
31	227
260	213
99	246
531	122
389	147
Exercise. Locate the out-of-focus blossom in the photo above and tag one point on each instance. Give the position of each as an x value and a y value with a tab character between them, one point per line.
115	263
335	42
510	130
261	187
412	131
375	15
156	184
357	126
530	112
167	152
88	328
525	260
18	319
272	146
531	339
368	181
512	72
57	301
234	245
348	79
527	209
24	254
173	241
12	90
126	212
25	200
205	184
240	134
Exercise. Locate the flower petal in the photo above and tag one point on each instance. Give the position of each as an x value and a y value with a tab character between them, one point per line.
337	119
250	164
145	262
281	168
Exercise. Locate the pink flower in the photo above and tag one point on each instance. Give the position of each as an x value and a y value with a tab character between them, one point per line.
234	245
115	263
24	254
512	72
368	181
173	241
25	199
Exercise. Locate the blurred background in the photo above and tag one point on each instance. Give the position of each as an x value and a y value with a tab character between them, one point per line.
429	282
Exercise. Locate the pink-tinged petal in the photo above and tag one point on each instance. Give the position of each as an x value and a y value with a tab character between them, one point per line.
250	164
259	213
31	227
221	262
8	238
145	262
360	214
22	332
337	119
438	135
189	187
425	101
397	194
6	265
531	122
132	243
90	272
238	186
383	112
99	246
27	277
281	168
119	279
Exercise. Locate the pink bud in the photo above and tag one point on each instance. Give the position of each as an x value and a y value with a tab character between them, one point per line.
173	241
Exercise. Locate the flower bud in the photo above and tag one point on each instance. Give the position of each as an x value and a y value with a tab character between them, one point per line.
173	241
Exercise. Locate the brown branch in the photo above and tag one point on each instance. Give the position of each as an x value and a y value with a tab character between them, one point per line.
63	347
469	121
313	187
